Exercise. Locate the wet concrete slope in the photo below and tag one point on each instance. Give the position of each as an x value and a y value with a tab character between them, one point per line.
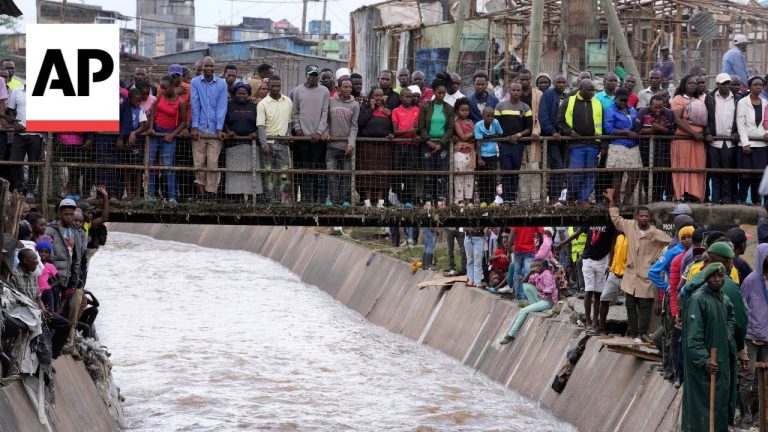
607	391
78	407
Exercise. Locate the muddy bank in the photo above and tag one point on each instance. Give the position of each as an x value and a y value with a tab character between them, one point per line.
607	391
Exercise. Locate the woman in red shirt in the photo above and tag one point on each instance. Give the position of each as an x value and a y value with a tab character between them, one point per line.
168	117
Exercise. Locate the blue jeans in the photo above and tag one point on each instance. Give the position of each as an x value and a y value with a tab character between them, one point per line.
429	240
510	158
473	245
522	265
581	184
167	153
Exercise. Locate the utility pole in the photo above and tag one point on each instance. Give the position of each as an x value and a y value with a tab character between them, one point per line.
615	30
304	20
453	54
535	38
322	30
63	6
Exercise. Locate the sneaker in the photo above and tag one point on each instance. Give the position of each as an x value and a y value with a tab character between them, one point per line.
507	339
637	340
329	203
449	273
345	204
172	201
151	199
408	206
380	204
483	205
367	203
491	290
409	242
505	290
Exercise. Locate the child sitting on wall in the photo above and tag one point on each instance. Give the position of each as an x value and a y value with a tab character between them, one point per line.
541	291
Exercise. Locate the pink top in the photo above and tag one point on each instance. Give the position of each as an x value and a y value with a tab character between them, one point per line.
146	105
545	249
49	270
545	285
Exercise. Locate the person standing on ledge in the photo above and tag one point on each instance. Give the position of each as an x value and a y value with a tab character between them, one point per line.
644	245
709	324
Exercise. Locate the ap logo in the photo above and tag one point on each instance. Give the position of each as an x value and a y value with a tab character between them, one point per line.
73	77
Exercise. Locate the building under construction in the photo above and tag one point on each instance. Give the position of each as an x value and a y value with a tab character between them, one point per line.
418	35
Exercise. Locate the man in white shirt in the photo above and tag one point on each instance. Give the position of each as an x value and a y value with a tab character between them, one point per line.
25	145
721	153
453	94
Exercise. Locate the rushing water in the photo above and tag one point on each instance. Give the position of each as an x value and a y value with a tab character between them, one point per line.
211	340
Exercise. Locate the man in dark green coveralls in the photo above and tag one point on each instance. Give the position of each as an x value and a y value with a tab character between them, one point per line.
709	323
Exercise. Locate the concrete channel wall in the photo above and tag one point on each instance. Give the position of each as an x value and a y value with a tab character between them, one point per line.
606	392
79	408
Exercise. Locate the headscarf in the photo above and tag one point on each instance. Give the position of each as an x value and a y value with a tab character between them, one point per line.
686	230
44	245
238	85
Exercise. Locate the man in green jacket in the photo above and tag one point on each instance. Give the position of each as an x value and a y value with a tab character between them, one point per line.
722	253
709	323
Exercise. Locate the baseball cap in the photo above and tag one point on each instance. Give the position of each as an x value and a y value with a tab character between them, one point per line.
175	69
414	89
312	69
722	78
740	38
67	203
682	209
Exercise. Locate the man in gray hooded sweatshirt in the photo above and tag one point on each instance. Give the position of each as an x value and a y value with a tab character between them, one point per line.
343	112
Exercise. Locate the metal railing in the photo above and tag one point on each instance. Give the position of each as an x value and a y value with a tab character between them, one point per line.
55	159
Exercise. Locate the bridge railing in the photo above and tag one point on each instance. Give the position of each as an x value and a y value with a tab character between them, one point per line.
394	170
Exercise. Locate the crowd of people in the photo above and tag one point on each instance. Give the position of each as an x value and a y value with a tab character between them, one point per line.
45	300
404	123
694	278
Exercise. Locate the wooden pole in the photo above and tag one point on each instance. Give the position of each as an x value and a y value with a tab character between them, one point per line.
678	42
46	178
304	20
533	60
712	381
615	30
453	55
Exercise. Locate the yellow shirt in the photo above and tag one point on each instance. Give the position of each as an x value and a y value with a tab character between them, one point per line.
696	267
619	262
274	115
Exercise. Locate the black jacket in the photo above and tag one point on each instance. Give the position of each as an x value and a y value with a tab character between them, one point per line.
711	117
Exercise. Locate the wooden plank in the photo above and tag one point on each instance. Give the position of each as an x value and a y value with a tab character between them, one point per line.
442	281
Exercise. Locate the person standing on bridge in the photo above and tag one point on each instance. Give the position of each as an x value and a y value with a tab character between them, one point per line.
209	108
581	115
273	118
750	118
343	112
735	61
310	119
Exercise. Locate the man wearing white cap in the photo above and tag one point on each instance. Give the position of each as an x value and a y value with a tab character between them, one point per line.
721	118
735	61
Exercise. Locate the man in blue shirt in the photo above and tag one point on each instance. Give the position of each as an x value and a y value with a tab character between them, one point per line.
734	61
209	107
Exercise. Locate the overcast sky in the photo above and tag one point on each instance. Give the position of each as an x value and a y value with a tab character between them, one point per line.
209	13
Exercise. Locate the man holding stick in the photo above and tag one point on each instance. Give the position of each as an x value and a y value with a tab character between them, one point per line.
709	328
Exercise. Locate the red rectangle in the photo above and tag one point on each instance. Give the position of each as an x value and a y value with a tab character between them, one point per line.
73	125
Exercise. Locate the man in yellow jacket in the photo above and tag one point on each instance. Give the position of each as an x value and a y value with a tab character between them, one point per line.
582	116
